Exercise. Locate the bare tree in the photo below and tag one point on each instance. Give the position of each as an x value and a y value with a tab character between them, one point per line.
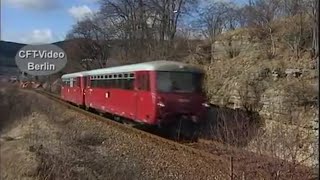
94	44
260	14
167	14
216	18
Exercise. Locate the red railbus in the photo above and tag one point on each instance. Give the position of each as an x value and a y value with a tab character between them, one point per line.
153	93
72	89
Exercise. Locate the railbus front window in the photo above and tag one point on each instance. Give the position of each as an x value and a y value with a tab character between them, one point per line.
179	82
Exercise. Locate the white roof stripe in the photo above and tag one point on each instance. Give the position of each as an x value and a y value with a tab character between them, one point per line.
147	66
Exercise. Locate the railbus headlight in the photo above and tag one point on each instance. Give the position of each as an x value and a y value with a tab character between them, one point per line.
206	104
161	104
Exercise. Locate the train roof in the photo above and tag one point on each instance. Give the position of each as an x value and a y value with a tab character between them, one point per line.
147	66
77	74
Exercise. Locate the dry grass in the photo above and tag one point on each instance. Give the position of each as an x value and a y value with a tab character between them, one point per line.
66	146
35	127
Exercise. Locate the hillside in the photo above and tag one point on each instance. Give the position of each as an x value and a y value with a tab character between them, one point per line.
8	52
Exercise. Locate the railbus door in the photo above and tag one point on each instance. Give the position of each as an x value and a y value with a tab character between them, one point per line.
82	88
87	91
144	105
78	91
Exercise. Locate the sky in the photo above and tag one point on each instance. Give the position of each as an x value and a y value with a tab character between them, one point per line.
41	21
44	21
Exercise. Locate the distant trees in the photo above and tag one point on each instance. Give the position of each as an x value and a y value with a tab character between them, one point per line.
93	37
147	29
150	25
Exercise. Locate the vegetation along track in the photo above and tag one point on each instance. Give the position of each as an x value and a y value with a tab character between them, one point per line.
241	164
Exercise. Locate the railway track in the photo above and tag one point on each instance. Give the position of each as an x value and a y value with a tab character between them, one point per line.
153	137
241	165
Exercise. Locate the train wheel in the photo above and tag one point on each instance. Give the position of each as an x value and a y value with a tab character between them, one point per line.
118	119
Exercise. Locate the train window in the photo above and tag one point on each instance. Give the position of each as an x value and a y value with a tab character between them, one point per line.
112	83
125	75
95	83
65	83
92	83
105	76
120	84
101	83
124	84
131	75
71	82
115	83
75	82
120	75
107	83
88	81
128	84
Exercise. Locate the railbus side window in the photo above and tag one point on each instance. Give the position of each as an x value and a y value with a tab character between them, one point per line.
67	83
132	80
64	82
93	81
88	81
127	84
85	81
71	82
77	82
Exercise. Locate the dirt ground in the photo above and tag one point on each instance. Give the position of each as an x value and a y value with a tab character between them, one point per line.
41	140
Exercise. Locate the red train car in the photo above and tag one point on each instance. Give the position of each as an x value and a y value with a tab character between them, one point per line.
153	93
72	89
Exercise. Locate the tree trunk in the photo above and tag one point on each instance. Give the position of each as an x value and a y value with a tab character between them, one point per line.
315	44
212	51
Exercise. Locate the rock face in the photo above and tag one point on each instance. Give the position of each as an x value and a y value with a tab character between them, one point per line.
281	91
288	110
53	87
56	86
